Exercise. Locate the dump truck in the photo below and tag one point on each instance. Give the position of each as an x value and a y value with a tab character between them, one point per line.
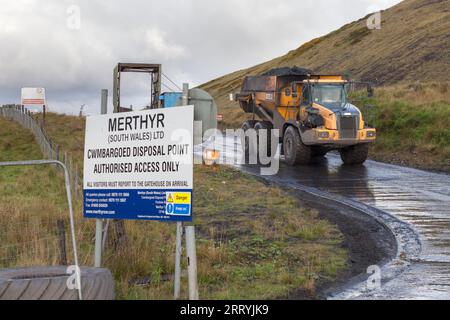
311	112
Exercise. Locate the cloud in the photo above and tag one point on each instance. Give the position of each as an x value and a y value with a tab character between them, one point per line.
195	40
156	41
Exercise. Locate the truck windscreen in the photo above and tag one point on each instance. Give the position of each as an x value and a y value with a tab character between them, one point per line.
329	94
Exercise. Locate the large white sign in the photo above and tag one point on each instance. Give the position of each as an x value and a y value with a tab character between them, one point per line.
33	96
139	165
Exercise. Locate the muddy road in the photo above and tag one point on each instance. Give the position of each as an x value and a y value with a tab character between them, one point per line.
413	204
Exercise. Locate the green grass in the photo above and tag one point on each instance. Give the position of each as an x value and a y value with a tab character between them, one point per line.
32	199
412	124
254	241
68	133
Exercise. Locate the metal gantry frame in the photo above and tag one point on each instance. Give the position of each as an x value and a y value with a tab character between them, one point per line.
155	72
69	201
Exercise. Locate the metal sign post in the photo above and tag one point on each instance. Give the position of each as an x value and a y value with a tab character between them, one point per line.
190	242
192	263
178	248
99	222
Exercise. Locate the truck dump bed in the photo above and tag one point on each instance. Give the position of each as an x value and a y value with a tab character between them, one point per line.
267	89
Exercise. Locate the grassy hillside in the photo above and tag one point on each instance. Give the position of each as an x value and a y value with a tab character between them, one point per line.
412	48
413	125
412	45
250	245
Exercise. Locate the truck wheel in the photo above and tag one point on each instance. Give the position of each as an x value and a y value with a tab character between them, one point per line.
295	152
319	152
50	283
265	127
356	154
247	144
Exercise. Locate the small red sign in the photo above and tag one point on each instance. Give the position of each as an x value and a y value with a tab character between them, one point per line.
33	96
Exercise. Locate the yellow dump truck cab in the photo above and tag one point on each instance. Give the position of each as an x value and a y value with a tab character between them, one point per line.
311	112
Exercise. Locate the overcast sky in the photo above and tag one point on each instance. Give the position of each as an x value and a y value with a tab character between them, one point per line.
47	44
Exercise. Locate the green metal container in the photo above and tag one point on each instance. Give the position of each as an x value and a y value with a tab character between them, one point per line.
205	110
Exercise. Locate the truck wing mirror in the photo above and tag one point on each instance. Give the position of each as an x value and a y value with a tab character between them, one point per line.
287	92
294	91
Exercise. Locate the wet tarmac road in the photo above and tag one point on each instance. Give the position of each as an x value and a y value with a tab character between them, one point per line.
417	204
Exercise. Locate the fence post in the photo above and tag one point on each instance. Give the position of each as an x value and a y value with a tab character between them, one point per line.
57	152
77	190
43	114
70	169
62	242
50	144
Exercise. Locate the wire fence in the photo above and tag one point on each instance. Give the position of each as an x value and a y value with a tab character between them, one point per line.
32	240
49	148
48	245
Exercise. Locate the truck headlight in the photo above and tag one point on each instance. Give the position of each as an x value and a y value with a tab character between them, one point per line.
371	134
324	135
210	157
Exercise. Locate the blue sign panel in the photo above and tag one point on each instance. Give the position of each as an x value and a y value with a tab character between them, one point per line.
166	205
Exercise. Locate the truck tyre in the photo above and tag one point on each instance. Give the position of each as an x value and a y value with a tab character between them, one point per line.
50	283
319	152
265	127
247	145
356	154
247	106
295	151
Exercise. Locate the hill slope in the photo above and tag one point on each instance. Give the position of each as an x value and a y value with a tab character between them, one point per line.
412	45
